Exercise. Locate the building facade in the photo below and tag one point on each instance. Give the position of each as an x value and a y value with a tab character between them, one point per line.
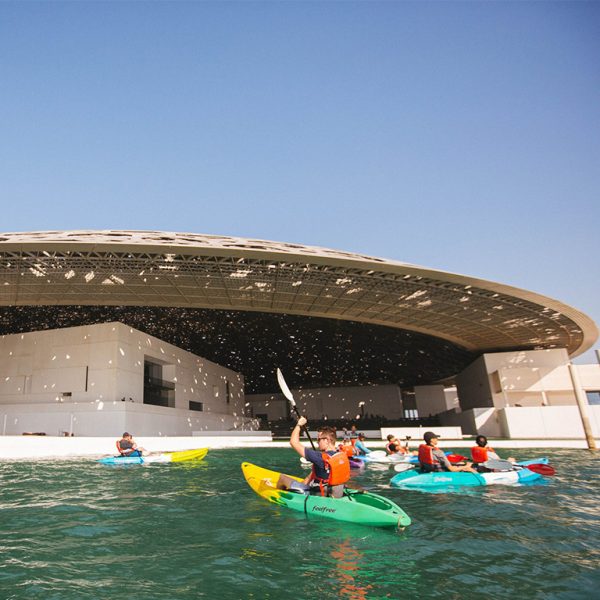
108	378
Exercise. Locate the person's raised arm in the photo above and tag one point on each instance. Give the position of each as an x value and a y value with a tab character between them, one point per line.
295	439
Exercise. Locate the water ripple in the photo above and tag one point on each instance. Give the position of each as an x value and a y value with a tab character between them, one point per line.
76	529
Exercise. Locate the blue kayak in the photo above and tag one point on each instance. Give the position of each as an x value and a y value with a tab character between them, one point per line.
415	479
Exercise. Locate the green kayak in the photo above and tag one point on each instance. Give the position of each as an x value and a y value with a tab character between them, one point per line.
355	506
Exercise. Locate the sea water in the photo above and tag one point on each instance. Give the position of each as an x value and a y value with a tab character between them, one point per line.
75	529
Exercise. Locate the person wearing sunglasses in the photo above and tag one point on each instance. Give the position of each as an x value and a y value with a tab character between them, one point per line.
330	468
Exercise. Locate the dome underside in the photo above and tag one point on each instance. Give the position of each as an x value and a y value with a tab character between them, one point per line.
311	351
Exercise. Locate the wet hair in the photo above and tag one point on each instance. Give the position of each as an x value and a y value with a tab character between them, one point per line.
330	432
481	440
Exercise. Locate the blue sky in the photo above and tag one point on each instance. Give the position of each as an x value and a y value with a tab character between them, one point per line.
462	136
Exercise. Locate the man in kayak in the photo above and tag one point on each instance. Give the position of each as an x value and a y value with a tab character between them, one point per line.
127	447
433	458
481	453
347	447
326	479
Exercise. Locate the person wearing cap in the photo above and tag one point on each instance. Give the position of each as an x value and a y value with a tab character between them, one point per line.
127	447
360	447
433	458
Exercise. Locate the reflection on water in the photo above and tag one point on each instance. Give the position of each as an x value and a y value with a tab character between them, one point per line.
76	529
348	562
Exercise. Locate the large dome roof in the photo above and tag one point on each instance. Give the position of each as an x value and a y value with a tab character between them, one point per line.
232	298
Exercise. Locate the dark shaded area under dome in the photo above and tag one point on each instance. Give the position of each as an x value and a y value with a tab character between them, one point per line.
311	351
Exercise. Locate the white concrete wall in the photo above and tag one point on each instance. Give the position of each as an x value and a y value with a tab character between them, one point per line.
334	402
528	378
99	365
85	419
589	377
474	421
447	433
275	406
434	399
547	422
473	386
44	447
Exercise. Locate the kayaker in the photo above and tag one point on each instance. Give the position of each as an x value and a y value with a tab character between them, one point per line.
353	435
127	447
394	446
327	480
347	447
362	450
481	453
433	458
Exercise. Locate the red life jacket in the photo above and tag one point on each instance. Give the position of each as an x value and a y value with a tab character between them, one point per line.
338	468
479	454
426	455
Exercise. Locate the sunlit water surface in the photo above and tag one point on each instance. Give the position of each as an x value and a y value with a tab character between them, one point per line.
78	529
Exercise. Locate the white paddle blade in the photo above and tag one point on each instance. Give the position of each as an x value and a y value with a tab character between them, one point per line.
404	467
378	454
284	388
498	465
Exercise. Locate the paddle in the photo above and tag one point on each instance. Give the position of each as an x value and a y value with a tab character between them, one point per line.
288	394
541	469
506	465
456	458
404	467
497	464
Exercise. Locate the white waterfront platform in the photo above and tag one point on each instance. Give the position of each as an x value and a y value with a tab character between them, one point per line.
47	447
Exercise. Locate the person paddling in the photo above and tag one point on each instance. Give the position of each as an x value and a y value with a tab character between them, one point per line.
362	450
127	447
330	468
433	458
481	453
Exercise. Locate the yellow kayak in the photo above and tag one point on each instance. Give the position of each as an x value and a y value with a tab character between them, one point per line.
164	457
184	455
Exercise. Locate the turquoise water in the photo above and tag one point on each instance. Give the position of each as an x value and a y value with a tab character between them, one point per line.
77	529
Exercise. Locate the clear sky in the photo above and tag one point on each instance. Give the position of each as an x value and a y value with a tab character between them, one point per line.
461	136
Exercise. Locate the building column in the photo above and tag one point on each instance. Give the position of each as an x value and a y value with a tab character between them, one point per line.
582	404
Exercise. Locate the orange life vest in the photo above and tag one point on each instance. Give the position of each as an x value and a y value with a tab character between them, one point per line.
347	450
338	467
426	455
479	454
